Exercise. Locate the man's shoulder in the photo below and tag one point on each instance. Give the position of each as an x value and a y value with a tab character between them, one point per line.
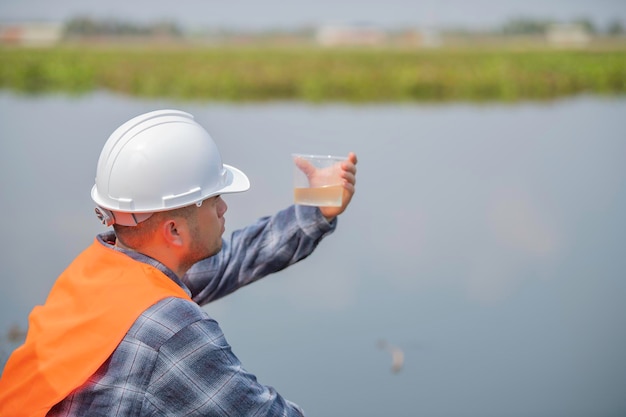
164	319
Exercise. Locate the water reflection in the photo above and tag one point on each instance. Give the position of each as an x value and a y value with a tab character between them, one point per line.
397	355
14	337
494	235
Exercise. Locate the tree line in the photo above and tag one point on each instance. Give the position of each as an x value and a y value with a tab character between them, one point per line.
87	26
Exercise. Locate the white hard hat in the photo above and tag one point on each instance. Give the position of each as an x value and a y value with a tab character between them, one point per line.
159	161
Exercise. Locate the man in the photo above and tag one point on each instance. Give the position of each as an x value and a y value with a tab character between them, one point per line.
122	332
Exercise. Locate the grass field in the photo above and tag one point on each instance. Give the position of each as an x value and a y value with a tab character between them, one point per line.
316	74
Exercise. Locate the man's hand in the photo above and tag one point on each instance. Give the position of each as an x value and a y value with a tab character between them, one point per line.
346	171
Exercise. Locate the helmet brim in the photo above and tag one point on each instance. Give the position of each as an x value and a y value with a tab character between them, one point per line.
237	182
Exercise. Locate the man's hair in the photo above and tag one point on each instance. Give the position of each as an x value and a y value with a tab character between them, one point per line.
134	236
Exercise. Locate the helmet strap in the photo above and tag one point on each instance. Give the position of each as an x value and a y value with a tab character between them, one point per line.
109	218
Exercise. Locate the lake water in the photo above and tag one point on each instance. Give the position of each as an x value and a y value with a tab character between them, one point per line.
488	241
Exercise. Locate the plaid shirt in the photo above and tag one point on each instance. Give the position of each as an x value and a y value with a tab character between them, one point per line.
174	360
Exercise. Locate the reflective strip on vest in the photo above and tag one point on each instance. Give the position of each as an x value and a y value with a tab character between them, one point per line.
90	308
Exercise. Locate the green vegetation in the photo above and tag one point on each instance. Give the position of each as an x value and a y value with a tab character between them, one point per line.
315	74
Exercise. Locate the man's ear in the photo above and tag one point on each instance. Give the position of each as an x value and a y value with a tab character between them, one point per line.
172	231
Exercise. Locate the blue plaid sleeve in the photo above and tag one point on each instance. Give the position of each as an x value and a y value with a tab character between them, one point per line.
197	374
269	245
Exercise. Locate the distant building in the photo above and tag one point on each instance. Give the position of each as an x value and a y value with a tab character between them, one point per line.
31	34
356	35
431	38
568	35
415	38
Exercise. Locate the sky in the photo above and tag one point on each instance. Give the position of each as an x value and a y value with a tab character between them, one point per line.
280	14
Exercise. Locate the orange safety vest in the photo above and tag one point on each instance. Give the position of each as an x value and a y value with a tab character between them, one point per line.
88	312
